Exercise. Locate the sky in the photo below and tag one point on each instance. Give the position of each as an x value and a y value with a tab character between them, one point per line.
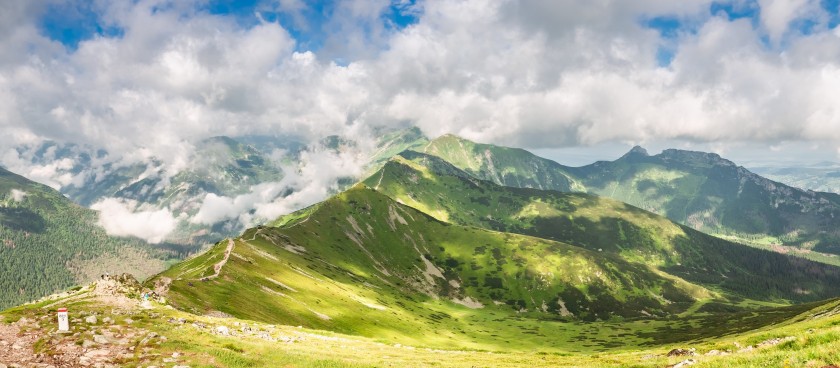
572	80
574	77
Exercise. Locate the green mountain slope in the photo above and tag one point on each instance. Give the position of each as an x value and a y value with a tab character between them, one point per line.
363	264
49	243
392	143
601	224
360	263
701	190
446	269
220	166
511	167
714	195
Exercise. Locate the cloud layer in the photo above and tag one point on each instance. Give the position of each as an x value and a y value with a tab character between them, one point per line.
531	73
535	73
311	180
122	218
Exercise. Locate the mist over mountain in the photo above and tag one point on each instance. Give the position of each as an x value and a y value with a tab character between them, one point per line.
225	185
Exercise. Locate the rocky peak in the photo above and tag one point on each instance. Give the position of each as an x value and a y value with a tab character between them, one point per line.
636	152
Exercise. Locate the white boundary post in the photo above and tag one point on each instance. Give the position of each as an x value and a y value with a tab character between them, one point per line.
63	321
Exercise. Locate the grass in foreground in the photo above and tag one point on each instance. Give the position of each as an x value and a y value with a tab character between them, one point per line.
810	339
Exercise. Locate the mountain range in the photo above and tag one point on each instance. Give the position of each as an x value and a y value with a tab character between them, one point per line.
451	244
52	243
701	190
422	252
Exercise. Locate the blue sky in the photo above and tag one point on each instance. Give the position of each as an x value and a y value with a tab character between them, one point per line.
671	27
71	22
74	21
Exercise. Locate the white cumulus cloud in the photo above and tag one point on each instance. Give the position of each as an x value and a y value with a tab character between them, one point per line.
530	73
119	217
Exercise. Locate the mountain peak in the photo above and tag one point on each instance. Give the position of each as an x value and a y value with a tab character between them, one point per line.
448	136
636	151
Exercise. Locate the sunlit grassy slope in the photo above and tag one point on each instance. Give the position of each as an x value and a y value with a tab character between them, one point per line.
604	225
425	254
701	190
361	263
512	167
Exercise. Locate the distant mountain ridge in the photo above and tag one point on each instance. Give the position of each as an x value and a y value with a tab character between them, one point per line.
821	177
698	189
221	166
513	167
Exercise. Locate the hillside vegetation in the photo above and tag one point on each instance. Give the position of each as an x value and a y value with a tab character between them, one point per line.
49	243
361	263
426	255
604	225
381	269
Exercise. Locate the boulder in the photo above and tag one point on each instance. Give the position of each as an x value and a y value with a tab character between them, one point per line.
681	352
100	339
684	363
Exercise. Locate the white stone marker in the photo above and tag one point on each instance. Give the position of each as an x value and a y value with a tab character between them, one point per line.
63	321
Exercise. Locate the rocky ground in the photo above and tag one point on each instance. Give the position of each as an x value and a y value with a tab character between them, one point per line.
97	338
